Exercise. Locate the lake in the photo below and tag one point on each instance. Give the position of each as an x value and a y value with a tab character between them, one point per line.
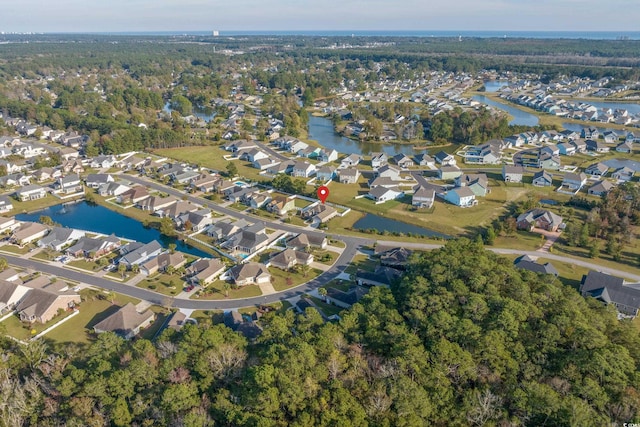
494	85
323	131
205	113
519	117
379	223
98	219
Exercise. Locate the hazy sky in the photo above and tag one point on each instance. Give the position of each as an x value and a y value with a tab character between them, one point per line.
196	15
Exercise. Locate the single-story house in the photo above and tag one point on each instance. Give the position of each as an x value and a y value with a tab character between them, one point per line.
205	270
611	290
250	273
60	237
28	232
30	192
42	305
526	263
600	188
126	322
289	258
539	218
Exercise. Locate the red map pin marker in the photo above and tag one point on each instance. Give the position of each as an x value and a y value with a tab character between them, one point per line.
323	193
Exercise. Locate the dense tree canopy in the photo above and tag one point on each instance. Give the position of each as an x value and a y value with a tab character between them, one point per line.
463	339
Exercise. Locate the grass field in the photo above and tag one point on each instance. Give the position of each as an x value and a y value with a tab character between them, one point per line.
279	278
327	309
215	291
16	249
164	283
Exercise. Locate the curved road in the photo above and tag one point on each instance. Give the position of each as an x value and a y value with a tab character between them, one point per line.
343	261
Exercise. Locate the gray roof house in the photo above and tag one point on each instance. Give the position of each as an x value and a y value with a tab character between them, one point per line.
512	173
137	253
126	322
600	188
60	237
250	273
526	263
611	290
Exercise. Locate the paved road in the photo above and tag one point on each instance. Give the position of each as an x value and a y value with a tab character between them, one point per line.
338	267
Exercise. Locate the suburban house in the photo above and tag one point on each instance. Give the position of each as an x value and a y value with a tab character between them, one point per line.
590	133
345	299
195	220
11	294
177	209
611	290
59	237
95	180
30	192
45	174
133	195
423	197
351	160
625	173
113	189
250	273
5	204
126	322
28	232
488	154
289	258
581	146
280	205
449	172
394	257
8	224
597	169
303	241
382	276
542	179
424	160
253	155
567	148
512	173
600	188
444	159
93	247
328	155
162	262
525	262
610	136
625	147
597	146
69	184
248	240
205	183
303	169
378	160
382	194
478	183
205	270
348	175
42	305
155	203
403	161
225	228
135	253
325	173
574	181
539	218
461	196
319	212
388	171
15	179
103	162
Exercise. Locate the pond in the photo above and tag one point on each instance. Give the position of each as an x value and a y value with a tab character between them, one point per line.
98	219
205	113
322	130
519	117
494	85
379	223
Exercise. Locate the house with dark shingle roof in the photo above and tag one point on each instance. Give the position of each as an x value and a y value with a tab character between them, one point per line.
611	290
539	218
527	263
126	322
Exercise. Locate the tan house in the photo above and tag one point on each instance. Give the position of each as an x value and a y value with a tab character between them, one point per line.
42	305
280	205
133	195
205	270
289	258
126	322
162	262
250	273
28	232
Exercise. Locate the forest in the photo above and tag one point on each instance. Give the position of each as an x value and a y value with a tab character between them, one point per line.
462	339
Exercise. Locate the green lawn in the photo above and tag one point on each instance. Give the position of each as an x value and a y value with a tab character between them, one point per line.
85	265
216	291
279	278
327	309
520	240
208	316
163	283
319	253
95	307
238	207
24	331
16	249
161	317
47	255
341	285
211	157
361	262
301	203
35	205
568	273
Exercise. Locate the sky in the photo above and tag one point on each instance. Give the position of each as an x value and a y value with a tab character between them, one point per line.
306	15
